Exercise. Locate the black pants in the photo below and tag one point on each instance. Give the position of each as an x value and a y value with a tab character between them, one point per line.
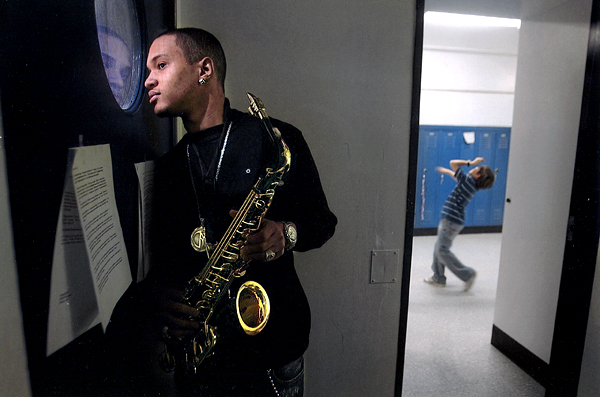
285	381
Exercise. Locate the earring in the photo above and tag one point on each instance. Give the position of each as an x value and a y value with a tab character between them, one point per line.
202	81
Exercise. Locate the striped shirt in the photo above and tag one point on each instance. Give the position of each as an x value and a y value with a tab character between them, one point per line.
464	191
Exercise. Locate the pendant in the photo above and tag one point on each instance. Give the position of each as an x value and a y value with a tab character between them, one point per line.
199	239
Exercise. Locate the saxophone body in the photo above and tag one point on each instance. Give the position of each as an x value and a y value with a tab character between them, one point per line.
208	288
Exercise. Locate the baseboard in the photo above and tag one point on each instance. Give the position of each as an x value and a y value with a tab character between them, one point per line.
432	231
533	366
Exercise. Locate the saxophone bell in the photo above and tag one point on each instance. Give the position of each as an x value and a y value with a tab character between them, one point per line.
252	307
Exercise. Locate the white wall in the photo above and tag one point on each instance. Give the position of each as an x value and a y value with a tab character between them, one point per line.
14	375
468	75
341	71
549	87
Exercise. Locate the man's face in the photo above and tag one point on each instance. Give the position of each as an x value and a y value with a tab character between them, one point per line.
117	64
171	82
475	172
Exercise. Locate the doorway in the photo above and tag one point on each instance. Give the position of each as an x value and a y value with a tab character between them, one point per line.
533	314
467	91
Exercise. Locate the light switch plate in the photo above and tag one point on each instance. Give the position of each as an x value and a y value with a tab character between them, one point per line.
384	266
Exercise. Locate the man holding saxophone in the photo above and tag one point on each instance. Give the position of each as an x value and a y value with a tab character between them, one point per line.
203	222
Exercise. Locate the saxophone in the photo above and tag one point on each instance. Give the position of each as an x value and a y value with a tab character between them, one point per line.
207	289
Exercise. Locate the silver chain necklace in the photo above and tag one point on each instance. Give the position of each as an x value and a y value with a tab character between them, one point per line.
198	238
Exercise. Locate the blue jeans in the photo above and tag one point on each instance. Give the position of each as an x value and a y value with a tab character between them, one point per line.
443	257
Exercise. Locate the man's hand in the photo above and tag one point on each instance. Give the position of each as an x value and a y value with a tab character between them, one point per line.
177	316
477	161
269	239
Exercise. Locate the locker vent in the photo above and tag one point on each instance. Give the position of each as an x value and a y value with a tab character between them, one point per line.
503	141
431	141
497	215
450	141
480	216
487	141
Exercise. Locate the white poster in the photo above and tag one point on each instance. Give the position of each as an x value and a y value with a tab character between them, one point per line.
90	268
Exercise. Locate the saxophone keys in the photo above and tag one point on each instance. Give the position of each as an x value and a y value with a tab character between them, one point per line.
231	256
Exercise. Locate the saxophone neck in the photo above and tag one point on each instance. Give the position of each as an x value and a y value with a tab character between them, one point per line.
284	158
257	107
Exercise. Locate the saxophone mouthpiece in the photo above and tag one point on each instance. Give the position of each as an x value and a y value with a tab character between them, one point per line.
253	109
257	107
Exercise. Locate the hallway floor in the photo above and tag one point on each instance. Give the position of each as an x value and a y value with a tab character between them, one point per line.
448	349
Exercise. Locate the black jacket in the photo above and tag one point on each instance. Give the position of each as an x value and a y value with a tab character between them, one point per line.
301	200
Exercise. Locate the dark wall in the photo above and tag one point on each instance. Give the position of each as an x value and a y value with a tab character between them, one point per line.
55	94
581	247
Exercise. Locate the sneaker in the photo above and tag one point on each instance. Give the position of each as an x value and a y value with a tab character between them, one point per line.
431	281
469	282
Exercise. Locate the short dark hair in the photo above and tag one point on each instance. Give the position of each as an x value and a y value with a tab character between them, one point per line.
486	179
198	43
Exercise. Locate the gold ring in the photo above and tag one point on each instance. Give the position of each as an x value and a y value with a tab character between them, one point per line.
269	255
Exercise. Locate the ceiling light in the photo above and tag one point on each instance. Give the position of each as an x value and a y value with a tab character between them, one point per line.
448	19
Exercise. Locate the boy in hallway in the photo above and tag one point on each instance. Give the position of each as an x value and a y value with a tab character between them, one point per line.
453	219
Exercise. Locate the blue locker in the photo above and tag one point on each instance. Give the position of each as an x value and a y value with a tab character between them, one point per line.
440	144
435	143
425	203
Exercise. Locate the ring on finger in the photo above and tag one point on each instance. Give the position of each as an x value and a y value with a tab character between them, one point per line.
269	255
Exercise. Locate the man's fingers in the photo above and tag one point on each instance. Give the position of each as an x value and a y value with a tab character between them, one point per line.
180	333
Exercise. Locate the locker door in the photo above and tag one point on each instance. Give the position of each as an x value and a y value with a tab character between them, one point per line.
57	94
425	200
437	146
479	208
500	166
469	150
451	150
